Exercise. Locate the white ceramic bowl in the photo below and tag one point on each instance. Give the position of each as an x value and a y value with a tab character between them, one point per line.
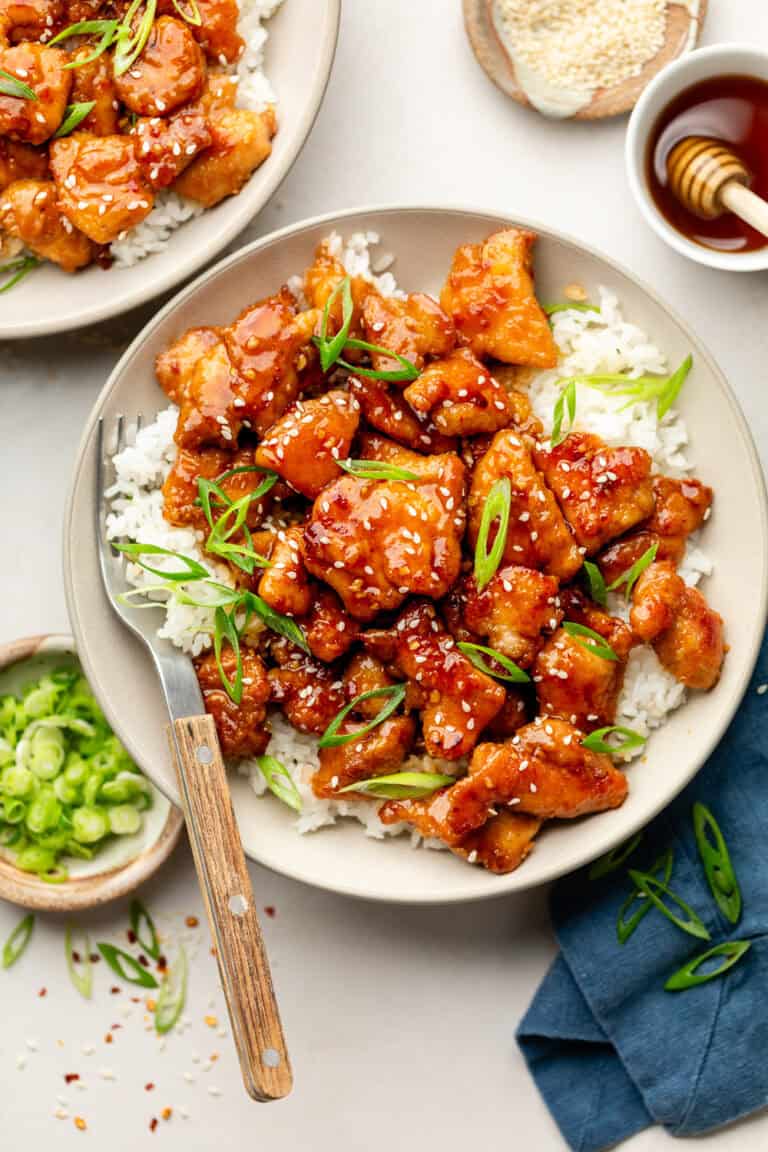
718	60
342	858
299	56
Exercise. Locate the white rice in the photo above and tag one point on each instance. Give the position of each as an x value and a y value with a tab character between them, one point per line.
590	342
254	91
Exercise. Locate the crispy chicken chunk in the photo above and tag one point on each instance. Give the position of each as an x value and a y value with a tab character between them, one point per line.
310	693
385	409
655	600
538	536
459	700
415	328
29	211
22	20
686	633
208	412
322	278
285	585
166	146
330	631
602	491
42	70
515	610
180	490
175	367
461	396
217	31
241	140
169	72
502	844
489	296
21	162
100	184
375	753
366	673
94	81
305	444
242	728
376	541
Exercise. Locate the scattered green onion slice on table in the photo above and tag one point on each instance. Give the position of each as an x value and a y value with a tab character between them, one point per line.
79	964
597	589
596	741
589	639
406	371
394	694
566	400
613	860
17	269
279	781
626	924
633	574
497	507
126	966
475	652
74	114
716	859
172	994
330	350
400	785
376	470
657	891
17	942
689	976
570	306
143	928
12	86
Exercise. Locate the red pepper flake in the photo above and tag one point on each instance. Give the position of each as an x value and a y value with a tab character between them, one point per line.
135	999
162	964
143	961
94	958
70	1077
153	1124
270	911
191	921
131	936
149	1087
115	990
114	1027
43	992
76	957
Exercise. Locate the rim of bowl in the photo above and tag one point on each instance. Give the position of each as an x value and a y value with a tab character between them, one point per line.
326	218
217	238
675	78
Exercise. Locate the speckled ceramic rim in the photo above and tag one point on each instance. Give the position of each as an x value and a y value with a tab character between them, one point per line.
717	60
701	749
78	893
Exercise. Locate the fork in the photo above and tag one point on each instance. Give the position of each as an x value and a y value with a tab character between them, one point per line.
211	825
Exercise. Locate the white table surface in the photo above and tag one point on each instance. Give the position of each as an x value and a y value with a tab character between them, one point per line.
400	1022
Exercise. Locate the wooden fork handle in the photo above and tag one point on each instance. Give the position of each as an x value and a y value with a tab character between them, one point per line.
226	887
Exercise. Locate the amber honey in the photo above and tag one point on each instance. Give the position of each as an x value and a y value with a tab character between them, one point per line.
734	110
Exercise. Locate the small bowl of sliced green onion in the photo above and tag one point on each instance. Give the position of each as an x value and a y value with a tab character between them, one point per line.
79	822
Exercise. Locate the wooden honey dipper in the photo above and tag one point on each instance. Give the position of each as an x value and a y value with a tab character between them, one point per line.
708	179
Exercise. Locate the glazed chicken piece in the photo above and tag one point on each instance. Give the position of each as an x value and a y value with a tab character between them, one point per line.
241	140
538	536
94	81
217	31
219	92
515	610
377	541
180	490
543	771
461	396
366	673
169	72
459	700
286	585
100	184
42	70
517	711
602	491
29	211
502	844
22	20
175	367
322	279
686	633
375	753
681	508
385	409
209	413
243	729
330	631
167	146
574	682
310	693
305	444
490	297
415	328
20	162
77	10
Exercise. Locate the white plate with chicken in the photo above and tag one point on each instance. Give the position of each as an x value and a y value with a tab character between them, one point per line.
463	530
138	139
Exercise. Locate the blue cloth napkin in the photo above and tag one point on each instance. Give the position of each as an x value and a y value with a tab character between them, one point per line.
610	1050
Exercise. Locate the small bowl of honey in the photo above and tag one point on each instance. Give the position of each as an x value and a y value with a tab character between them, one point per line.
712	103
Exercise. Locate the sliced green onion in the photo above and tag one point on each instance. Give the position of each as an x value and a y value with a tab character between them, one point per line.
89	823
400	785
172	994
496	507
597	589
667	397
688	976
279	781
192	570
663	389
143	928
18	269
74	114
654	889
124	965
569	306
18	940
11	86
407	371
279	623
716	859
225	629
633	574
596	741
124	820
475	652
80	970
566	399
130	44
192	16
376	470
625	924
589	639
395	694
330	350
613	860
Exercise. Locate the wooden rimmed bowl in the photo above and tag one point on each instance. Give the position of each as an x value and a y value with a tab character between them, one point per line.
496	55
124	863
